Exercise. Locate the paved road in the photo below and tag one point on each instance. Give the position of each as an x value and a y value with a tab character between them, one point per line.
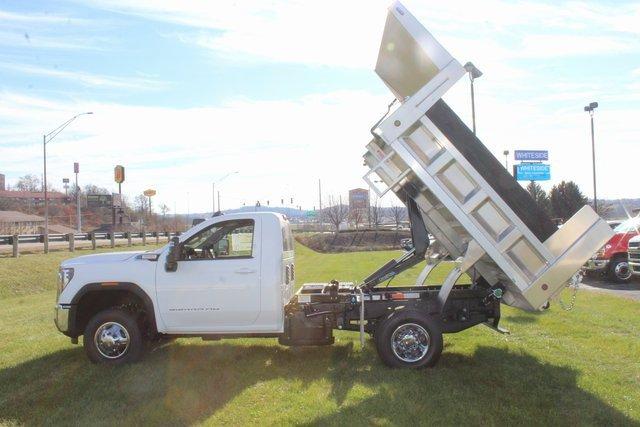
629	290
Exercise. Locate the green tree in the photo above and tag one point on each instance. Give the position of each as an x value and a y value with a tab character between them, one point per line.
540	197
566	199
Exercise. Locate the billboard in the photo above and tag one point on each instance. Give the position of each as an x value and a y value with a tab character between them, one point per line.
532	172
99	200
531	155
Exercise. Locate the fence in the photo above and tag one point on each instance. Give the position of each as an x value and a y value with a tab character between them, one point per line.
24	239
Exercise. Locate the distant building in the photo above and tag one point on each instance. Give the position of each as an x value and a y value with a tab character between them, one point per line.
358	199
13	222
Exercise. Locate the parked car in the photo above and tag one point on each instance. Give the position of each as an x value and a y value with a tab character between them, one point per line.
612	260
634	255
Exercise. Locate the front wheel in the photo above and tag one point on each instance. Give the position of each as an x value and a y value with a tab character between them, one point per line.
409	339
113	337
619	270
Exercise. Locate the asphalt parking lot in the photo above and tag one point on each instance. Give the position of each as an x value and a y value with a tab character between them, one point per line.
629	290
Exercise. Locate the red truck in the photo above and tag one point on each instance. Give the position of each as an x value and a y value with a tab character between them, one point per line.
611	260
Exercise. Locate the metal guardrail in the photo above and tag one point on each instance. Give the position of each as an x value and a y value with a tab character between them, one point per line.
7	239
17	240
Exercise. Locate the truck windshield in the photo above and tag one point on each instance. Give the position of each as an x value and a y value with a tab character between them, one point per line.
632	225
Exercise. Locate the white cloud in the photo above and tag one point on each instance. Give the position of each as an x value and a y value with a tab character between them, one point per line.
34	18
46	31
554	45
346	34
86	79
281	148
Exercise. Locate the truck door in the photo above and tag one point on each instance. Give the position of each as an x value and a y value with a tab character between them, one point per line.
216	287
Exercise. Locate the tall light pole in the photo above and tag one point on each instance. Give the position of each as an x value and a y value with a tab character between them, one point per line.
76	170
474	73
590	109
213	190
45	140
506	159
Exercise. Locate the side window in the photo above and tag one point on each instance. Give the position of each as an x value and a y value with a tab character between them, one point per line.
287	238
229	239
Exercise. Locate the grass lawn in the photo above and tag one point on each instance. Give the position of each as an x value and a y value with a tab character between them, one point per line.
556	368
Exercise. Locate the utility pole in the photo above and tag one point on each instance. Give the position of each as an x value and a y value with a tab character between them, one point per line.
219	205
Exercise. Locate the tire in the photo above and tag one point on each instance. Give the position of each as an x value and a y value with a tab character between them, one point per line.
105	335
421	347
619	270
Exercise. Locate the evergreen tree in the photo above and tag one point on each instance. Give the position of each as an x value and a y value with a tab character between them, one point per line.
566	199
540	197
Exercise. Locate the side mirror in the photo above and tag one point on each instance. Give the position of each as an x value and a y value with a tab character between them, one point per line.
171	263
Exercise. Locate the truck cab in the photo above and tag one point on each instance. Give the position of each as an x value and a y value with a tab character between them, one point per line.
611	259
230	274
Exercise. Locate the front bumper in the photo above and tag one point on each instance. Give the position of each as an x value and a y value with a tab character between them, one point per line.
596	264
61	317
634	260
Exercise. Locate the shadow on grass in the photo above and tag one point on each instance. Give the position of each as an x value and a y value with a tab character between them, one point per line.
185	384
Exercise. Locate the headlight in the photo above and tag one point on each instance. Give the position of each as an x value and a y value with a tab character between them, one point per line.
64	277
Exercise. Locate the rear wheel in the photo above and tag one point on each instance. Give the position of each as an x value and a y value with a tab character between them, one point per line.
619	270
409	339
113	337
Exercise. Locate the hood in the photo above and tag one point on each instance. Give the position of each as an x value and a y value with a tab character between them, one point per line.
110	257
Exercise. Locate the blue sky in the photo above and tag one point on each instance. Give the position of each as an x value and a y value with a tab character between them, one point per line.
284	92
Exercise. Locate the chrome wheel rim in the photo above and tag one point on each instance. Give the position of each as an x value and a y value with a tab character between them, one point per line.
111	340
410	342
622	271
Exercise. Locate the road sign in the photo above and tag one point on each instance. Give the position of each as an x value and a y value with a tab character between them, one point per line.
116	200
65	180
311	214
149	193
76	167
99	200
118	174
531	155
533	172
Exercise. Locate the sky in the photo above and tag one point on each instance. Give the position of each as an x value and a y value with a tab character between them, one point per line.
186	93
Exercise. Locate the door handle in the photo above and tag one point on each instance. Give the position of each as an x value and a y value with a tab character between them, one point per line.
245	271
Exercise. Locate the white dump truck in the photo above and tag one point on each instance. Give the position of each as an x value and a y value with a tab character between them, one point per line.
234	275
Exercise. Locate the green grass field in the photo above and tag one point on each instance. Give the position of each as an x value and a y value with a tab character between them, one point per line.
556	368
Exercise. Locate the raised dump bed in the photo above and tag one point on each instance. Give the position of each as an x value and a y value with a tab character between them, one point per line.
468	201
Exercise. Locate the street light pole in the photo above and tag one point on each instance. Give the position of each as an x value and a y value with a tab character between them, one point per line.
46	139
213	191
590	109
506	159
474	73
76	170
